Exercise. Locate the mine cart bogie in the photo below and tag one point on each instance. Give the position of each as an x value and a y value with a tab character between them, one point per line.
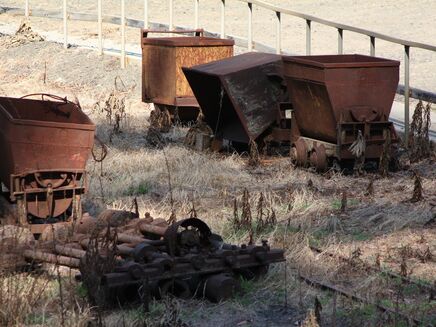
45	144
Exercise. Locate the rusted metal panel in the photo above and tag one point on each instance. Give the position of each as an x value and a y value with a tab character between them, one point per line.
239	96
163	81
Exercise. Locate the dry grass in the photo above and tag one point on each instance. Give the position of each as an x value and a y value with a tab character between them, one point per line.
307	208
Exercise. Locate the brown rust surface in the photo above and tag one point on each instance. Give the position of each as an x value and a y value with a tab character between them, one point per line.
163	81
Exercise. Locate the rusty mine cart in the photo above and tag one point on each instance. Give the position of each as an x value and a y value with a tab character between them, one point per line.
163	82
337	100
45	145
330	109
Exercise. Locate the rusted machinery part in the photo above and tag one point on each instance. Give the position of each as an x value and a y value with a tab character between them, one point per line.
37	255
51	202
195	233
134	223
299	152
142	251
69	251
53	97
61	231
85	225
42	210
176	287
220	287
146	228
126	238
83	239
115	218
318	158
124	250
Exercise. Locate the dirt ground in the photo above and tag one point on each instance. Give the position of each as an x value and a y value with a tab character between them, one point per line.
384	226
401	18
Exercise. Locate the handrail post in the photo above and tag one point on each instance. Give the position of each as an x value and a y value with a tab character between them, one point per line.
196	3
223	18
123	34
406	93
64	14
250	26
340	41
308	37
100	27
171	8
372	46
278	32
26	9
145	13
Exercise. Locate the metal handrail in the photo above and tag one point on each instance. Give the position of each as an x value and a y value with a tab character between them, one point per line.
406	90
343	27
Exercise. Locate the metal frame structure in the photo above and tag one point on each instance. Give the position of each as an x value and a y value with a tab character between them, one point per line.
249	43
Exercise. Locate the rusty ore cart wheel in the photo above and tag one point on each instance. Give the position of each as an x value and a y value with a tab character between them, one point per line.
318	158
299	152
186	234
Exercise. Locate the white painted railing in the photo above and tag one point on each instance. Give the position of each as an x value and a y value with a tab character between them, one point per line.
279	12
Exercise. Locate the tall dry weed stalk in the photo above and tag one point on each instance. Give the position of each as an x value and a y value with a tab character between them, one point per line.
265	214
254	156
419	140
385	157
417	189
99	259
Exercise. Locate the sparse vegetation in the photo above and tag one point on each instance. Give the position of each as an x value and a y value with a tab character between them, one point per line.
290	208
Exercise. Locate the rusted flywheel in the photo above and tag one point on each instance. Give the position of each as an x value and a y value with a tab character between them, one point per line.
299	152
187	233
318	158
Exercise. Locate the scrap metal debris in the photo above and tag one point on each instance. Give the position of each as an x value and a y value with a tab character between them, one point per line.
125	258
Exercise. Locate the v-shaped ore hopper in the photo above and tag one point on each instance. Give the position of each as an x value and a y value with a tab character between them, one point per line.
340	101
239	96
332	90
